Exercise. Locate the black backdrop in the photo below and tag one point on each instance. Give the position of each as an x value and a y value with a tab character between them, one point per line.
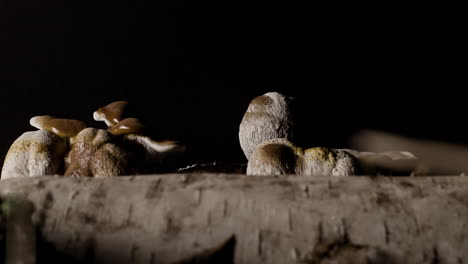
189	68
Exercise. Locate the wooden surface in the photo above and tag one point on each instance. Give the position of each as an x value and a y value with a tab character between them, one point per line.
276	219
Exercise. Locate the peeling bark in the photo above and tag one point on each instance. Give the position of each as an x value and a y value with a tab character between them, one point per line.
179	218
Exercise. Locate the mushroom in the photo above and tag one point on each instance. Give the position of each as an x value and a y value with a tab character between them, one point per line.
389	161
96	153
111	114
268	116
35	153
280	156
156	146
126	126
61	127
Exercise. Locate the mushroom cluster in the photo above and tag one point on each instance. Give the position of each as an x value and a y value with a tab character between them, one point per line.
71	148
112	115
266	134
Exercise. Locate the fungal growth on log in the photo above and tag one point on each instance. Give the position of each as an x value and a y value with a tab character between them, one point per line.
279	156
71	148
268	116
266	135
298	211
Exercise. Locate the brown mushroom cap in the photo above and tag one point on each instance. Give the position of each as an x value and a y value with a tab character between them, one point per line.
126	126
111	114
61	127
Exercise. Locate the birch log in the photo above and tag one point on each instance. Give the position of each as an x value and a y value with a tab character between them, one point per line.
284	219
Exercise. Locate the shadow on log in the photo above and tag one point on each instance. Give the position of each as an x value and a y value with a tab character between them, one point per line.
186	218
222	254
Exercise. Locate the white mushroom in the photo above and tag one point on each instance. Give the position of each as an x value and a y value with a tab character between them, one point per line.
35	153
267	117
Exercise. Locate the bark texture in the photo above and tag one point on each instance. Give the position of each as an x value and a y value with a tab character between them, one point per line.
285	219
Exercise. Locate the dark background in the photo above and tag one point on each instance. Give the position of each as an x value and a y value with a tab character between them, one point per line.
190	68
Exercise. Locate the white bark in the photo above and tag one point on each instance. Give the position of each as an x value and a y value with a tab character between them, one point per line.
284	219
20	234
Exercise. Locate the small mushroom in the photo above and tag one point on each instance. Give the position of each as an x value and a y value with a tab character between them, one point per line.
280	156
126	126
111	114
61	127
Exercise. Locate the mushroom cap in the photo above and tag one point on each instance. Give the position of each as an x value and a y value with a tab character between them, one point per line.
158	146
111	114
61	127
398	161
126	126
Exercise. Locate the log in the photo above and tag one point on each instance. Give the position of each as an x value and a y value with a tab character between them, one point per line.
20	232
176	218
